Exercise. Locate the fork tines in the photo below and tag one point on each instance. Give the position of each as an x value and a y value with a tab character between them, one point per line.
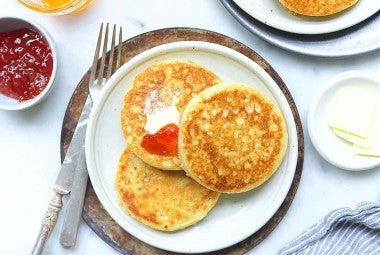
111	66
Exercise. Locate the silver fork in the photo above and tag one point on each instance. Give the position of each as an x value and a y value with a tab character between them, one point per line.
96	83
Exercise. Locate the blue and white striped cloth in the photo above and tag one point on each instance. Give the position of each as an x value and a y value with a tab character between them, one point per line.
342	231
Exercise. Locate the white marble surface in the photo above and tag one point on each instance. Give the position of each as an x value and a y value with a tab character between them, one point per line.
30	139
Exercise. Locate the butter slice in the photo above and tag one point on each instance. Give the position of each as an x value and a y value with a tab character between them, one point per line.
353	111
360	141
373	150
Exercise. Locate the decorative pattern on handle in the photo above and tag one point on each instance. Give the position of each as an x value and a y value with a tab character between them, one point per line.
48	223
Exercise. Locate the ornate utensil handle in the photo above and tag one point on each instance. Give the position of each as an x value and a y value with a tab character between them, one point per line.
48	223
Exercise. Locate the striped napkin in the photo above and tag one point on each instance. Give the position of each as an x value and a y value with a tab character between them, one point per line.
342	231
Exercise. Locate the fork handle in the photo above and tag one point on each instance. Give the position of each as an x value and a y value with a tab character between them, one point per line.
48	222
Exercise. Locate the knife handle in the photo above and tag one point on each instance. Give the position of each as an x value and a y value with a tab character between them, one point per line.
48	223
75	204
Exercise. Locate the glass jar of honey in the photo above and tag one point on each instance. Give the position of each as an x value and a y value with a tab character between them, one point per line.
57	7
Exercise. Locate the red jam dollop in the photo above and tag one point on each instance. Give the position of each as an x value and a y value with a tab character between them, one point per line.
164	142
26	63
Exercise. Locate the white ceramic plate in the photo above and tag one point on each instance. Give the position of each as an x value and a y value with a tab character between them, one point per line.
274	14
235	217
332	148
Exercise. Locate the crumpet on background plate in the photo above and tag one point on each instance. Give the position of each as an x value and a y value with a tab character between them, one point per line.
317	7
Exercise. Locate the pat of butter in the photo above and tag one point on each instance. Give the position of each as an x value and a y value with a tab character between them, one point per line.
373	150
360	141
161	117
353	111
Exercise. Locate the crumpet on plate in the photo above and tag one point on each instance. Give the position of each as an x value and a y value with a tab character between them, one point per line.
155	99
163	200
232	138
317	7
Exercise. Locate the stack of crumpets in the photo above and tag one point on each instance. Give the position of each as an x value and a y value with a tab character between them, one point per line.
222	138
317	7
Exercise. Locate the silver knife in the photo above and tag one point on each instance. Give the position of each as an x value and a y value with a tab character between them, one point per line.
65	179
74	207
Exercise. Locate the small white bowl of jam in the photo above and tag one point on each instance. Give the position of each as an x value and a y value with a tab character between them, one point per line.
28	63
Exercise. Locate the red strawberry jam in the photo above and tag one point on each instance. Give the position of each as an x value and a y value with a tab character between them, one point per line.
164	142
26	63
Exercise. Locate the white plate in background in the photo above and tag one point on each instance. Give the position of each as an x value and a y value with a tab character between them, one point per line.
235	217
347	42
274	14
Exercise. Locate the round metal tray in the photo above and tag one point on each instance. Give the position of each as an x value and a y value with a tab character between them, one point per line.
93	212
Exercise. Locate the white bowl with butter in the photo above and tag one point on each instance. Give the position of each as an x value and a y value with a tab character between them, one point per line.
344	121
